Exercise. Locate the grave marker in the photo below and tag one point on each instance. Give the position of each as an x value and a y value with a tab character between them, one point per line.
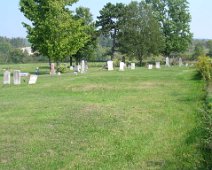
122	65
16	77
110	65
150	66
33	79
52	71
157	65
6	79
180	62
167	62
132	66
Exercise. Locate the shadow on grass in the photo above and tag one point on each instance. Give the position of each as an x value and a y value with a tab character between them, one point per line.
197	76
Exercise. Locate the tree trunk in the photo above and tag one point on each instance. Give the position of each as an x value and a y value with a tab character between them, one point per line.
49	63
71	61
114	44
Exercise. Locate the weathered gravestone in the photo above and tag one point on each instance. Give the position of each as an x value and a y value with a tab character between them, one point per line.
132	66
150	66
110	65
180	62
167	62
33	79
52	71
83	67
157	65
16	77
121	67
6	79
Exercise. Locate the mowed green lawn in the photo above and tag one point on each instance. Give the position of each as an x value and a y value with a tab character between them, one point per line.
137	119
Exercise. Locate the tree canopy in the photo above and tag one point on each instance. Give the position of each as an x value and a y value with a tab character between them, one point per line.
174	18
53	31
140	33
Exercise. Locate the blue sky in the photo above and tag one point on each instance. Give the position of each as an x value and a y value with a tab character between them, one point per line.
11	17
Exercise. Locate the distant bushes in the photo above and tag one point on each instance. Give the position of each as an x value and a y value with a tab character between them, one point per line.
204	67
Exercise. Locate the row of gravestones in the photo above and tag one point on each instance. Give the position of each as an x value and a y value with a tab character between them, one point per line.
122	66
17	77
80	68
180	62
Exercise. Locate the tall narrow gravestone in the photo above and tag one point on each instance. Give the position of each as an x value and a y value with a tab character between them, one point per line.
83	66
52	71
132	66
6	79
17	77
180	62
110	65
157	65
167	62
122	65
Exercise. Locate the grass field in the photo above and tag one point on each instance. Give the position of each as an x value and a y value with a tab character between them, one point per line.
137	119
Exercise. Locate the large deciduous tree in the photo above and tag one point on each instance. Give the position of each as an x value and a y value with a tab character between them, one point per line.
109	22
140	32
53	31
175	20
86	18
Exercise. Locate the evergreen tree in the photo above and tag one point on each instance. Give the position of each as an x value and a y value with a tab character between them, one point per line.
109	22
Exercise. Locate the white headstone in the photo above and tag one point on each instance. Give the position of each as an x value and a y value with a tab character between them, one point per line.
157	65
16	77
52	71
110	65
6	79
122	65
83	66
132	66
33	79
186	64
167	62
150	66
180	62
71	68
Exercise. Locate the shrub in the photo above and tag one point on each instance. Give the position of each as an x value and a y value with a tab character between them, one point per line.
203	67
62	68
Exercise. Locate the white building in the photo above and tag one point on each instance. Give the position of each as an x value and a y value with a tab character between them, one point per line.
28	50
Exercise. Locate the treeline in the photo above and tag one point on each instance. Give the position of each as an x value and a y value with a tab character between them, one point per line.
134	31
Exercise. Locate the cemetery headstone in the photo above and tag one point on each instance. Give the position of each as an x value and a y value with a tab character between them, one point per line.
180	62
6	79
110	65
17	77
132	66
121	67
150	66
33	79
157	65
83	66
167	62
52	71
71	68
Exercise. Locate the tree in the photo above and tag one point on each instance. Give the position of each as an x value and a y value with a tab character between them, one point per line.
199	50
140	32
54	32
209	46
85	16
174	18
109	22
